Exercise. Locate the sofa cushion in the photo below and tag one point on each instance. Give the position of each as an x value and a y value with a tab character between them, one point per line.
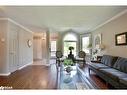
123	81
113	73
98	65
108	60
121	64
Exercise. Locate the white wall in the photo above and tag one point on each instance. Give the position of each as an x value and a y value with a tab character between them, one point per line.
25	53
3	46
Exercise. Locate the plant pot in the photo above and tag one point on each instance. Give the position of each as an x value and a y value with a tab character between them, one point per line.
68	69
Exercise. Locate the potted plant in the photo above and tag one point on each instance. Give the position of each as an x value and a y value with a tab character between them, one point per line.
70	55
68	63
71	48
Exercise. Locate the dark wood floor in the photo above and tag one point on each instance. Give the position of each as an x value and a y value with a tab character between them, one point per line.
31	77
41	77
96	80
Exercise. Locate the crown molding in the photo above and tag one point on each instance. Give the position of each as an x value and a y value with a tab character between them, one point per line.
109	20
17	24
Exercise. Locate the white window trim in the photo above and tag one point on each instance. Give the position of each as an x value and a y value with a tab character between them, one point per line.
85	35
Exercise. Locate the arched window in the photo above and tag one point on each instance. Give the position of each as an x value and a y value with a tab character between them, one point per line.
70	37
70	40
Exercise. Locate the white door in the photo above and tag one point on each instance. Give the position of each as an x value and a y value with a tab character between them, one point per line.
13	50
37	49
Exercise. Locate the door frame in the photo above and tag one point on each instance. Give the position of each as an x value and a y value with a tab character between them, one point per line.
50	49
16	66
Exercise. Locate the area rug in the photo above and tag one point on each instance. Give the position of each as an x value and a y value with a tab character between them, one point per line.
81	86
71	85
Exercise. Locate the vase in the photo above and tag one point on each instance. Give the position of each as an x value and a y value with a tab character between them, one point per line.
68	69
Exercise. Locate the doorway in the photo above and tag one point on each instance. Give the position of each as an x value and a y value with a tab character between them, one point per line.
39	49
53	49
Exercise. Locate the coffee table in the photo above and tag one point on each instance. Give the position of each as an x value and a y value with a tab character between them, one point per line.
70	80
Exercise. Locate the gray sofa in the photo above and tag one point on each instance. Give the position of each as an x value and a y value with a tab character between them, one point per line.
112	69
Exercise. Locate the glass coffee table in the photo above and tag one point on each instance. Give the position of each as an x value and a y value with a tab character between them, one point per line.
70	80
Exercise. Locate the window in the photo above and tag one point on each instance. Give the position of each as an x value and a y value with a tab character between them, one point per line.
70	40
70	37
85	43
53	48
67	44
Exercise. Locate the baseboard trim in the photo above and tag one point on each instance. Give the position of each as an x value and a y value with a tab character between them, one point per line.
41	64
25	65
5	74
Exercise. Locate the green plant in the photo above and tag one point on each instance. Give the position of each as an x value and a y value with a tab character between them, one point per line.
71	48
68	62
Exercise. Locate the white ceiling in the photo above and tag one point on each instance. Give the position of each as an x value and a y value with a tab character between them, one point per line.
61	18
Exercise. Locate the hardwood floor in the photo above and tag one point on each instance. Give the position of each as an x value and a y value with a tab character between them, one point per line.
96	80
42	77
31	77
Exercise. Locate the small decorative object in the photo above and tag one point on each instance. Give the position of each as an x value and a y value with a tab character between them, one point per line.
95	51
68	69
29	43
101	47
121	39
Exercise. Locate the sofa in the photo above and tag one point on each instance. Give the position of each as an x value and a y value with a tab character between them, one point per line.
112	69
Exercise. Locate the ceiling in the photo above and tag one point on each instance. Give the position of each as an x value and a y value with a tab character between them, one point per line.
60	18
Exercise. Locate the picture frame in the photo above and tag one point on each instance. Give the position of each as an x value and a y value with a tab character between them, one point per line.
97	40
121	39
